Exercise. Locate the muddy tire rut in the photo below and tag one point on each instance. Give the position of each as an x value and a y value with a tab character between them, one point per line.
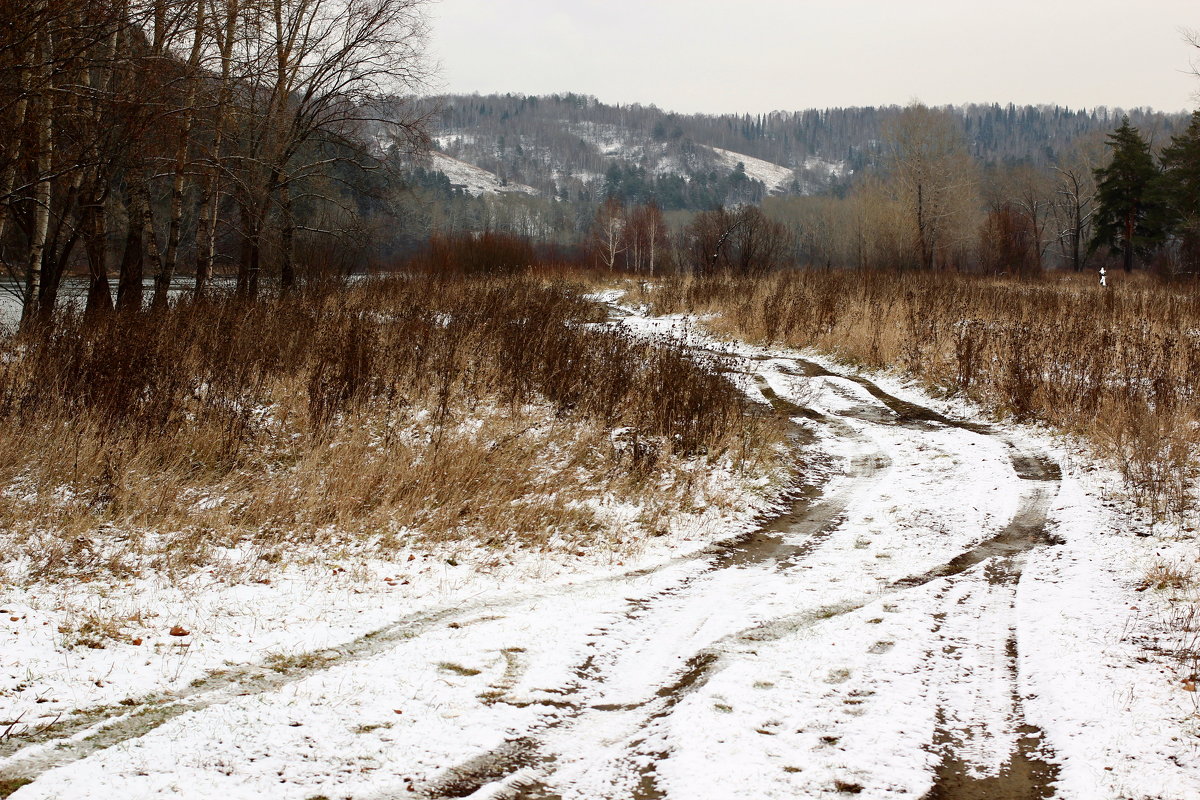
661	647
781	544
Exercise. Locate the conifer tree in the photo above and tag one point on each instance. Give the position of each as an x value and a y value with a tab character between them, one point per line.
1130	213
1181	178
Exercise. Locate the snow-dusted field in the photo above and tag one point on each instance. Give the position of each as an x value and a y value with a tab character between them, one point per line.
947	608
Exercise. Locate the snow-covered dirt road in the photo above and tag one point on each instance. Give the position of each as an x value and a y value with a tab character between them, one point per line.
942	610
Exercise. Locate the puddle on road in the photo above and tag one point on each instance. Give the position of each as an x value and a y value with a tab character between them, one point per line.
1033	466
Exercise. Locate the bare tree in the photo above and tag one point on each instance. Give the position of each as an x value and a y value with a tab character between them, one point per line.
315	79
39	117
1074	205
608	239
647	237
934	176
743	241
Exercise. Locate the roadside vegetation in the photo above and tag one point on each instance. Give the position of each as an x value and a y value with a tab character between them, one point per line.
395	413
1115	365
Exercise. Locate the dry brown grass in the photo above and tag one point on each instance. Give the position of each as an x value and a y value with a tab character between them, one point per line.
1116	365
1169	575
401	412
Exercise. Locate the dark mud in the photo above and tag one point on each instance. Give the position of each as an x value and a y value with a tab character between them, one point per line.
471	776
1029	773
1026	531
1026	776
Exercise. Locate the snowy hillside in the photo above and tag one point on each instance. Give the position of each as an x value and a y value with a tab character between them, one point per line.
777	178
573	148
475	180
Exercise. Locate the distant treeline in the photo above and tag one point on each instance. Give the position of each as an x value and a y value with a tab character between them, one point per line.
565	142
926	203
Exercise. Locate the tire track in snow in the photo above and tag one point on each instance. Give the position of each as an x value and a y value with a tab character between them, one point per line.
529	763
522	768
26	755
1025	775
1029	772
1025	531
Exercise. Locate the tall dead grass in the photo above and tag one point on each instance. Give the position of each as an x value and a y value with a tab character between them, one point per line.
397	412
1115	365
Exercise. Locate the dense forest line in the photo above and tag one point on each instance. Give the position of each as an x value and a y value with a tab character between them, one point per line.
567	143
977	188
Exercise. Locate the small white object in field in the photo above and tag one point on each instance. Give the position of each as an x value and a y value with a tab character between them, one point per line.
1103	277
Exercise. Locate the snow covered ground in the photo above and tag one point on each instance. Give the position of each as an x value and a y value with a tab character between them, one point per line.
476	180
947	607
776	177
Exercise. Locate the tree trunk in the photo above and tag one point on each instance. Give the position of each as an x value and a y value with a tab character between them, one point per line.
162	283
129	285
287	238
95	244
41	227
247	279
145	218
8	182
210	203
206	235
922	237
1076	237
1127	243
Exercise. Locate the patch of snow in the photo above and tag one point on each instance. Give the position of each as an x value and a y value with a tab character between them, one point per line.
475	180
776	177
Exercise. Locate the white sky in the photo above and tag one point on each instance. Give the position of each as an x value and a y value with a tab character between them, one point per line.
762	55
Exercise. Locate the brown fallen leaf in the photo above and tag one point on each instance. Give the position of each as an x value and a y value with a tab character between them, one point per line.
14	619
1189	685
136	642
397	711
179	630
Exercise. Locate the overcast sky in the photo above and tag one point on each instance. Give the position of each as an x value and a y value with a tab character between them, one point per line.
762	55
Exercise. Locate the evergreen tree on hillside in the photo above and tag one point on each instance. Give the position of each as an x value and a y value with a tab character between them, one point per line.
1181	179
1130	213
